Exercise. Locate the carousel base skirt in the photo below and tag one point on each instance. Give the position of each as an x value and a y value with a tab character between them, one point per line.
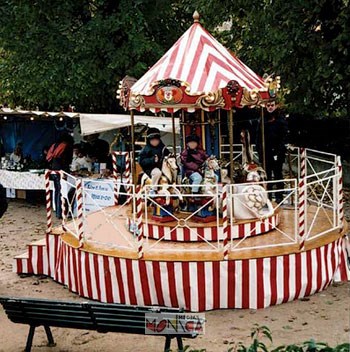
196	282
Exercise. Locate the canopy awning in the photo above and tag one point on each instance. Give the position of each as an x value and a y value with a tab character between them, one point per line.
197	72
8	111
198	59
96	123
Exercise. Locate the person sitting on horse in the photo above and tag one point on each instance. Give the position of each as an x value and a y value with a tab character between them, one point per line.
151	156
193	158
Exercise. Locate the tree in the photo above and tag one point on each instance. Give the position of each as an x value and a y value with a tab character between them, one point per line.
304	41
56	53
75	51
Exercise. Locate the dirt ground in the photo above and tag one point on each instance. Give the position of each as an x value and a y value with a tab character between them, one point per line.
323	317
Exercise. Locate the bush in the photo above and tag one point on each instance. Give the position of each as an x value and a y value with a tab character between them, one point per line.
262	334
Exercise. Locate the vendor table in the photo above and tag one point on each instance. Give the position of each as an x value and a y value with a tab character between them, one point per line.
22	180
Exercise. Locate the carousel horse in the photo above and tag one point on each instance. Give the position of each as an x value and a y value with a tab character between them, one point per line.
169	170
251	171
249	200
210	180
208	184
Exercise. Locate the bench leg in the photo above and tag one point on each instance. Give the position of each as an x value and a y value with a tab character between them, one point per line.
30	338
51	342
167	344
180	345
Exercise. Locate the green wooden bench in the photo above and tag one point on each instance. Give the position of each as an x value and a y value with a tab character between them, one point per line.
100	317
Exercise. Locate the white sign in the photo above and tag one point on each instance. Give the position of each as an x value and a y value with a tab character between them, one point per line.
98	194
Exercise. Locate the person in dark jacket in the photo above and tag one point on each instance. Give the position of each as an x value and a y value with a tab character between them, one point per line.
60	154
3	201
59	157
276	130
97	149
151	156
192	159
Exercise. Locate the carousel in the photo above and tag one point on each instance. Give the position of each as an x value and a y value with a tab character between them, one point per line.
235	243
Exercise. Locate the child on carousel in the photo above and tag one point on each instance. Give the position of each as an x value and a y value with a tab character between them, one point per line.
193	158
151	156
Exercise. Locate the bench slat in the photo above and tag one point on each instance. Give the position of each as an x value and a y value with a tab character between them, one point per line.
85	325
30	310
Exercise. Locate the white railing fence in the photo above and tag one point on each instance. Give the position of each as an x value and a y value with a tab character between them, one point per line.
308	207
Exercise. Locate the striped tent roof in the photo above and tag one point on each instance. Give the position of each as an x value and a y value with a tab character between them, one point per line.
198	59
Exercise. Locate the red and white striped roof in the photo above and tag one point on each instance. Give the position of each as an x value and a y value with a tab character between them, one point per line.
200	60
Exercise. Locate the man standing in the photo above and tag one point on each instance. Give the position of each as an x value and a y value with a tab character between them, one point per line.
275	139
60	157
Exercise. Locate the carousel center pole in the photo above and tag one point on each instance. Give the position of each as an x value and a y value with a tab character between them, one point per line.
263	138
174	133
230	132
132	119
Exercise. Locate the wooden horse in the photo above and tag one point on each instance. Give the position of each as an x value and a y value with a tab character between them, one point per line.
165	189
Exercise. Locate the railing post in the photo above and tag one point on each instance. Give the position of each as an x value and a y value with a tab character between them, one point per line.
127	172
48	202
225	222
80	214
340	195
139	222
115	177
127	175
63	202
302	190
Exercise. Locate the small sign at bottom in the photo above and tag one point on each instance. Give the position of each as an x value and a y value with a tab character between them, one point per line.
174	323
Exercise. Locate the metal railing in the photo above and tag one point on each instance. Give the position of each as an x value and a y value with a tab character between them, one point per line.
304	208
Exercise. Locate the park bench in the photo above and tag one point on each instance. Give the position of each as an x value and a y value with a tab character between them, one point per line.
100	317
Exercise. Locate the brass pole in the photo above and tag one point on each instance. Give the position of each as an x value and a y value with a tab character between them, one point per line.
230	132
219	122
174	133
203	129
134	178
183	129
263	138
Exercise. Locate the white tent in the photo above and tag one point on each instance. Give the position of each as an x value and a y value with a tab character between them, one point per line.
96	123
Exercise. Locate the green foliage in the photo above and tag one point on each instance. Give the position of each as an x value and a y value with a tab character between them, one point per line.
260	334
74	51
306	42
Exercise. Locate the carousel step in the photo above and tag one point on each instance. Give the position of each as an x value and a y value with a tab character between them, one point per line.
20	263
24	255
41	242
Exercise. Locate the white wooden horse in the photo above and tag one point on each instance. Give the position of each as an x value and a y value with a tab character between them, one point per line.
210	181
169	170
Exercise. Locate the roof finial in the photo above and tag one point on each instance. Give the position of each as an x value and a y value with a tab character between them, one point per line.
195	17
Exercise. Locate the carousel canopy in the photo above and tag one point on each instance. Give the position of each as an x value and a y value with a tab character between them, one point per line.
201	67
200	60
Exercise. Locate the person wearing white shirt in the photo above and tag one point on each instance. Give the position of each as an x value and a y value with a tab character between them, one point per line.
80	160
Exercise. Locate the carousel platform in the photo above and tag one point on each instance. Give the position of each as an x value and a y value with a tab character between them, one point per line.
119	254
260	270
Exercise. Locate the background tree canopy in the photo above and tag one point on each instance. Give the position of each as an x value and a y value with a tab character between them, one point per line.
56	53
